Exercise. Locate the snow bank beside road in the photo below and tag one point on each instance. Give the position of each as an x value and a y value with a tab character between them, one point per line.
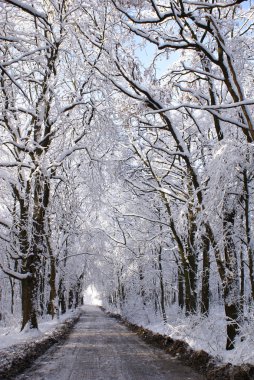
203	362
201	332
11	335
18	350
209	334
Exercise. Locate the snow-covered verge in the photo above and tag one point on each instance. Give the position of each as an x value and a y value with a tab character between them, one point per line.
209	334
18	350
199	342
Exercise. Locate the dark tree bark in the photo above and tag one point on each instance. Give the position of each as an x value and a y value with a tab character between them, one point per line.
162	290
180	281
61	296
205	290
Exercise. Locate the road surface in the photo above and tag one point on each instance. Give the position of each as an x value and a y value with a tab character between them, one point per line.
100	348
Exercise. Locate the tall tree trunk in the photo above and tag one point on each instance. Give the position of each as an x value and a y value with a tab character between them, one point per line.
61	296
231	282
52	283
205	296
79	291
190	263
247	214
32	263
70	298
242	286
180	281
29	287
229	278
12	285
232	315
42	285
162	290
190	285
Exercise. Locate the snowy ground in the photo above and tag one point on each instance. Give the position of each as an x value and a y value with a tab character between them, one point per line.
19	350
208	334
11	335
95	331
201	333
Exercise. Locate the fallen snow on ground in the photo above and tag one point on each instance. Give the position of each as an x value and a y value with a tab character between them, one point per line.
201	333
209	334
12	335
204	333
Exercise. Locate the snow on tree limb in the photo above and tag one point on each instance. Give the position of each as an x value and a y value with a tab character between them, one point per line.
27	8
16	275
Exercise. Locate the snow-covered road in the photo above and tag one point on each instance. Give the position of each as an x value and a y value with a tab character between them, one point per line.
100	348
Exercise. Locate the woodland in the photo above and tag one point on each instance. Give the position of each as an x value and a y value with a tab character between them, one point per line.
126	159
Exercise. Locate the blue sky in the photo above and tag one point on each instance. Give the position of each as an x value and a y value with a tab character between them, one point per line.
147	53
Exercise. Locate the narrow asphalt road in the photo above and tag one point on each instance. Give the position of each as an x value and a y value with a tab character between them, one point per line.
100	348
